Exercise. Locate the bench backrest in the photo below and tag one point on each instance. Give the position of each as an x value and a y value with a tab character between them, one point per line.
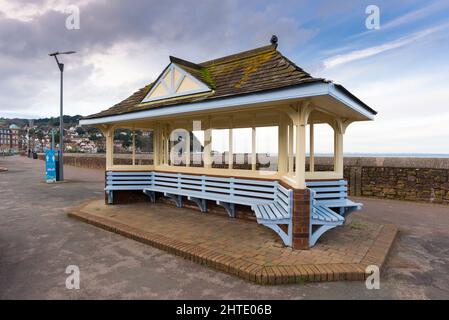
128	179
220	186
329	190
284	200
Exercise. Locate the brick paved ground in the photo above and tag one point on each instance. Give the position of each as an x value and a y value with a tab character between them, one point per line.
38	241
245	248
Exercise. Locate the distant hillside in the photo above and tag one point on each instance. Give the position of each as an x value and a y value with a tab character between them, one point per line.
69	121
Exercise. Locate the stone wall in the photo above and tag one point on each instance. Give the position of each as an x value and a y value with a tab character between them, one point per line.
413	179
82	160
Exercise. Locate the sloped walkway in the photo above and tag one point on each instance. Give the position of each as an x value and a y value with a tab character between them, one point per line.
244	248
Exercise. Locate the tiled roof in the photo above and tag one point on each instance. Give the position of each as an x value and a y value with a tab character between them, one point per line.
251	71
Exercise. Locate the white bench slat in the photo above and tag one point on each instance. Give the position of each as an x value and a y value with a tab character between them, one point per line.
320	214
285	213
279	215
338	195
134	182
330	189
133	187
326	183
340	203
129	173
112	178
325	214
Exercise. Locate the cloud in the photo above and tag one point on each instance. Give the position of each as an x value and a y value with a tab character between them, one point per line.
121	46
371	51
415	15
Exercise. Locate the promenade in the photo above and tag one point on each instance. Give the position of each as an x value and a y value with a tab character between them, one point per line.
38	241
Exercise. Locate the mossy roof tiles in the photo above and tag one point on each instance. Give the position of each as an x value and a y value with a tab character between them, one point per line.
247	72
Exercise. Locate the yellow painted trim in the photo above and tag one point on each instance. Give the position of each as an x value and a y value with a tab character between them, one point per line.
323	175
130	167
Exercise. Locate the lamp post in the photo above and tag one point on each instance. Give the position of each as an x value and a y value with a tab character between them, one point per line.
61	120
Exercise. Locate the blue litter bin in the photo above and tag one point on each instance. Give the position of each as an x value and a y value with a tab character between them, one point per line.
50	166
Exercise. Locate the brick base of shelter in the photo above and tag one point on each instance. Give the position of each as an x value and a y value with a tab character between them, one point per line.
300	219
242	248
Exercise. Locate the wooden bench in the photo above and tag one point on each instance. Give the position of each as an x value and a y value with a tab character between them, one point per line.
271	202
334	195
322	219
130	180
277	212
330	206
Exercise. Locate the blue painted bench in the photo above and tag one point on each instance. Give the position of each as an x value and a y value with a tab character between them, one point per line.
271	202
334	195
330	206
130	180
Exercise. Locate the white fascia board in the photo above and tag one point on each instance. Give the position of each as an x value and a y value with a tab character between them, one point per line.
349	101
303	91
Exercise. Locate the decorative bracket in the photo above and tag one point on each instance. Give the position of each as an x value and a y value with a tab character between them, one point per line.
177	198
201	203
230	208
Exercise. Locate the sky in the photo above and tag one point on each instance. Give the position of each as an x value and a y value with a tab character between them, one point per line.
400	69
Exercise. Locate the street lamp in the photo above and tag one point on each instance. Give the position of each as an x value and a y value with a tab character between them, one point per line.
61	126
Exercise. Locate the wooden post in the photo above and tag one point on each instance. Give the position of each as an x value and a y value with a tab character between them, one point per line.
166	144
230	153
163	146
187	148
290	148
109	135
134	147
300	156
156	144
169	147
207	153
338	153
282	145
253	149
312	148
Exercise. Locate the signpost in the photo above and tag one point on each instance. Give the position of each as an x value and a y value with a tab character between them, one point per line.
50	166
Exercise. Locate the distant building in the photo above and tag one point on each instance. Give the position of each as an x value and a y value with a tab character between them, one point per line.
10	139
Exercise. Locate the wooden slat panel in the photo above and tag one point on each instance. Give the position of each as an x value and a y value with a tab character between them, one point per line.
254	194
135	187
275	210
326	183
129	173
281	209
329	195
331	189
131	182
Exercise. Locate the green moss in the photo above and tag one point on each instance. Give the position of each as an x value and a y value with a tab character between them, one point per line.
358	225
208	77
261	59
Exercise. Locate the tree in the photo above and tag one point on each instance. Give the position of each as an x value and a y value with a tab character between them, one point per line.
80	131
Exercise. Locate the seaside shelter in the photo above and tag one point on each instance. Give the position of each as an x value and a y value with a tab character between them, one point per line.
192	135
